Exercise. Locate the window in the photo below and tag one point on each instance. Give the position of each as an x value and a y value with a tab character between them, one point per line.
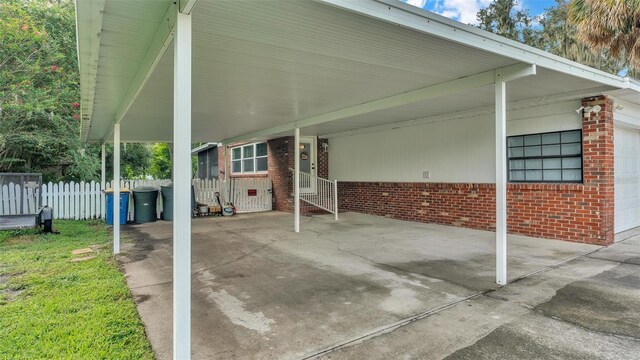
249	159
547	157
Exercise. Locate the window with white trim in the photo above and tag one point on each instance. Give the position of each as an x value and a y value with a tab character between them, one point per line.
249	159
547	157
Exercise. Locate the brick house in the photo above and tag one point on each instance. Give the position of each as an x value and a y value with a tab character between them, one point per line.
567	195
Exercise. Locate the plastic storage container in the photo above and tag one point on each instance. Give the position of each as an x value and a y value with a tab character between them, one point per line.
144	204
124	205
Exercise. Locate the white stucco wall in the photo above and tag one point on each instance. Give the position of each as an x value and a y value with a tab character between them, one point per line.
460	150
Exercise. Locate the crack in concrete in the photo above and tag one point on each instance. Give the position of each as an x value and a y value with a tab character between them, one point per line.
240	258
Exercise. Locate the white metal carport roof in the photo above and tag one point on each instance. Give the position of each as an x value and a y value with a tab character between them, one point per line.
267	64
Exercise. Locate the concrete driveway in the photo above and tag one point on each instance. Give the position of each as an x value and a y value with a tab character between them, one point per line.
367	287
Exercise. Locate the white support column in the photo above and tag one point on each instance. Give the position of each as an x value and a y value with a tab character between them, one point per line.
335	199
501	179
103	169
116	188
296	181
182	189
103	175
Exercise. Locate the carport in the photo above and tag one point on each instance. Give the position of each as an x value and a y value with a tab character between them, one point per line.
191	70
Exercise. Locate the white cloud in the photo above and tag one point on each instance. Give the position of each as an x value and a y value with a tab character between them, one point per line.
464	11
417	3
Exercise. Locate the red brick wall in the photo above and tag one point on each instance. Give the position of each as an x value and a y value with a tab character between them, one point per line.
280	161
574	212
323	159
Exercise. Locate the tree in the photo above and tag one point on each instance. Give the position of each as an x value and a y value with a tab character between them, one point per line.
135	160
39	91
613	25
502	17
559	36
161	161
550	32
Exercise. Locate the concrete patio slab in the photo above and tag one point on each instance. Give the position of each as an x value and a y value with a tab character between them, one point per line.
261	291
584	309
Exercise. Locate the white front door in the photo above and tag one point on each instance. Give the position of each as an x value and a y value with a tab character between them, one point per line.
627	179
308	163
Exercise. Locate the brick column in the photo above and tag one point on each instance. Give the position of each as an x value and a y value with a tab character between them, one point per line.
598	161
222	151
280	159
323	159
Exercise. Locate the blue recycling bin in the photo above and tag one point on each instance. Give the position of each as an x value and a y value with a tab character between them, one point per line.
124	206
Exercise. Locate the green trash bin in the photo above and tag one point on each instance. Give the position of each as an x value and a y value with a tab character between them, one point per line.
167	201
144	204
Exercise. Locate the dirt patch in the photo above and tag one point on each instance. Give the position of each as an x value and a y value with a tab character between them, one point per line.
9	293
20	239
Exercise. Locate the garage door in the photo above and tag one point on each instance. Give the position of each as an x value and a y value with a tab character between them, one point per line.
627	179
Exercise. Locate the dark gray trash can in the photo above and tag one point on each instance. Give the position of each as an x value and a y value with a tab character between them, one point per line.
167	201
144	204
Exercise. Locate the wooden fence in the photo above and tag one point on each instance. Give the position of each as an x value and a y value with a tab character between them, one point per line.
85	200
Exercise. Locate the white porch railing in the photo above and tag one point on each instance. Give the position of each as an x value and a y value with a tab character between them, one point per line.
319	192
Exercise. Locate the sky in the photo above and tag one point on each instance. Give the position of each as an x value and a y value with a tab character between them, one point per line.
465	10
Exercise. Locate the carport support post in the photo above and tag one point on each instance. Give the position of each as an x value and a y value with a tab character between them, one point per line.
103	175
182	188
116	188
296	181
501	179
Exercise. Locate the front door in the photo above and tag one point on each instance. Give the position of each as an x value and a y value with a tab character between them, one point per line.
308	164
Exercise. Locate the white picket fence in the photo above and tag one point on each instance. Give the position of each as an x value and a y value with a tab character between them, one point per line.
85	200
11	199
251	195
73	200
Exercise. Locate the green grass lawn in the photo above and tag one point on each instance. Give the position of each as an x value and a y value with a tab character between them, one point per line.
51	307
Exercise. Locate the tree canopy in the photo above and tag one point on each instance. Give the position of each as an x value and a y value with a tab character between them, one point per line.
613	25
39	96
603	34
505	18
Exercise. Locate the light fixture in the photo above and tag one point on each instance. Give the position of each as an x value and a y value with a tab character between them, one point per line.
589	109
619	107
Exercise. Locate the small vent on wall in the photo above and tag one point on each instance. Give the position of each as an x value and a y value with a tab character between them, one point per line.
426	174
